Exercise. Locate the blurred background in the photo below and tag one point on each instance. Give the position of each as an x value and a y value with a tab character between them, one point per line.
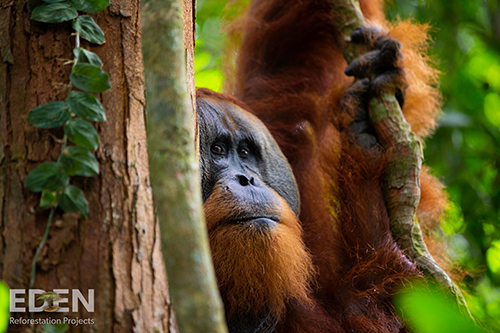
464	152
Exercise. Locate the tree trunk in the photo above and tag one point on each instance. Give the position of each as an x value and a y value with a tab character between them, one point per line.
189	29
167	54
116	250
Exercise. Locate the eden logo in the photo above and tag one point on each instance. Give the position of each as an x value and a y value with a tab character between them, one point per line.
52	300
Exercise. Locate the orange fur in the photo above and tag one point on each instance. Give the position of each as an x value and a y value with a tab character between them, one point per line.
433	200
317	101
423	100
256	270
289	72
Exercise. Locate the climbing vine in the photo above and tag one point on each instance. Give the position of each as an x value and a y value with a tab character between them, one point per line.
75	115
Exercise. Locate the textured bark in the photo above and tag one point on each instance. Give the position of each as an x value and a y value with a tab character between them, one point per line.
189	28
174	171
116	250
402	182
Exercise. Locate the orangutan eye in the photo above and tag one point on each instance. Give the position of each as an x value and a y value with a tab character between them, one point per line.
218	149
244	151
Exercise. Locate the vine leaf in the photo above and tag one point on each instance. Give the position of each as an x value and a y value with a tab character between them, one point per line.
47	176
50	115
88	29
86	106
90	6
54	12
87	57
57	328
82	133
73	200
48	199
89	78
79	161
52	178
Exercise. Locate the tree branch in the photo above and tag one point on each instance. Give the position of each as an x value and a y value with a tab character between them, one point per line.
402	182
174	172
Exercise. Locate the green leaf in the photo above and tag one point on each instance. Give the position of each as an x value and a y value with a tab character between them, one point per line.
85	56
88	29
86	106
54	13
79	161
492	107
89	78
48	199
50	115
53	1
428	310
90	6
493	257
73	200
210	78
82	133
47	176
57	328
4	306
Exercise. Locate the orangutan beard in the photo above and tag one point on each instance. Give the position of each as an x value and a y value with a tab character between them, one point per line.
260	268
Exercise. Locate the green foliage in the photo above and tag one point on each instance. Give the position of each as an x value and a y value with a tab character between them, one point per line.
86	57
86	106
210	78
493	257
50	115
48	176
74	114
58	328
48	199
88	29
4	306
428	310
54	12
79	161
82	133
90	6
73	200
210	40
453	220
89	78
492	107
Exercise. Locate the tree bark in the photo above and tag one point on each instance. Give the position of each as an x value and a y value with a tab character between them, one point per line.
189	29
116	250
